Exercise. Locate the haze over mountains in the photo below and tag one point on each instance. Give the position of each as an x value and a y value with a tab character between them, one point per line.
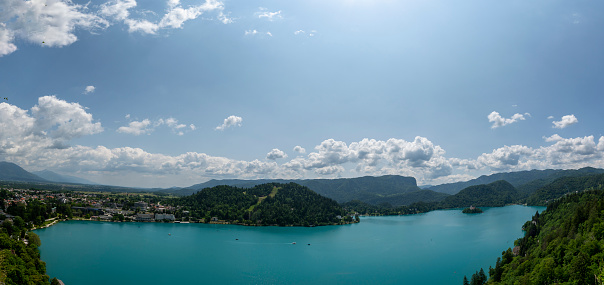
390	190
12	172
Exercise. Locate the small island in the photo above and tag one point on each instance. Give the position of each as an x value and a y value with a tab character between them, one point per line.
472	210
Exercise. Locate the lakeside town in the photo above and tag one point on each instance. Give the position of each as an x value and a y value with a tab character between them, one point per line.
45	207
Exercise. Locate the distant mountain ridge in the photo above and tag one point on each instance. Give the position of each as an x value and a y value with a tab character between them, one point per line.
525	181
12	172
393	189
55	177
496	194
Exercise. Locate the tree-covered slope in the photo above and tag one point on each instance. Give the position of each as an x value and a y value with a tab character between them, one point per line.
406	199
562	245
266	204
12	172
525	181
563	186
55	177
496	194
342	189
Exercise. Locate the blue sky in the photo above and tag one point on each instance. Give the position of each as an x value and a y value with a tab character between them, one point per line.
173	93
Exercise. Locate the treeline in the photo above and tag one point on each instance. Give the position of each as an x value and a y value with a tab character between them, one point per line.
386	209
267	204
20	262
562	245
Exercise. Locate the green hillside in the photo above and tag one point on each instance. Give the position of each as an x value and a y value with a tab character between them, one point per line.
342	190
562	245
266	204
563	186
525	181
12	172
496	194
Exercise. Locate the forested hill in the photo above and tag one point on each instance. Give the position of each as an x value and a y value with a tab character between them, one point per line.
266	204
564	186
496	194
369	189
524	181
12	172
562	245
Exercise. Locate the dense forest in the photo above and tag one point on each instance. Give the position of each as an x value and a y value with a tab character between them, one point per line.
562	245
267	204
496	194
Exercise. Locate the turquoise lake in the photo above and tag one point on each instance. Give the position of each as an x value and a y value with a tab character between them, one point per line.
438	247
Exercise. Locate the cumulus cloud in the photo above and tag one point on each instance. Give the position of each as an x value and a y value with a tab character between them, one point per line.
275	154
6	39
231	121
499	121
49	124
89	89
146	126
420	158
47	23
54	23
251	32
40	138
271	16
553	138
174	18
566	121
136	128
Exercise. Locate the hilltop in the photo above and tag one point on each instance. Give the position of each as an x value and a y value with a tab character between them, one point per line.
526	181
266	204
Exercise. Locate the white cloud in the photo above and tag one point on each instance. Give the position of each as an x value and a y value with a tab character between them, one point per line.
49	124
174	17
269	34
565	122
553	138
499	121
54	23
231	121
47	23
177	15
222	17
146	126
550	117
89	89
308	34
271	16
6	38
275	154
40	138
136	128
251	32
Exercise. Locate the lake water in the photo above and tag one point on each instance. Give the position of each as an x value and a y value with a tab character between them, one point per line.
438	247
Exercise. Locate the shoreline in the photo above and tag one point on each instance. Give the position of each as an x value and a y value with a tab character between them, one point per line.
56	221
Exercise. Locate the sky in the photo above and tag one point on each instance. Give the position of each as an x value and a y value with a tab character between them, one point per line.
174	93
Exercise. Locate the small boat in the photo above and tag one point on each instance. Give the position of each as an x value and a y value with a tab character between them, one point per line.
169	234
294	242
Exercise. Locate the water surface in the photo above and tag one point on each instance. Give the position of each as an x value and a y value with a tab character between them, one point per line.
439	247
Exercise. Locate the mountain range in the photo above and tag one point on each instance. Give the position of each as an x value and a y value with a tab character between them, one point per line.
388	190
392	189
12	172
525	181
